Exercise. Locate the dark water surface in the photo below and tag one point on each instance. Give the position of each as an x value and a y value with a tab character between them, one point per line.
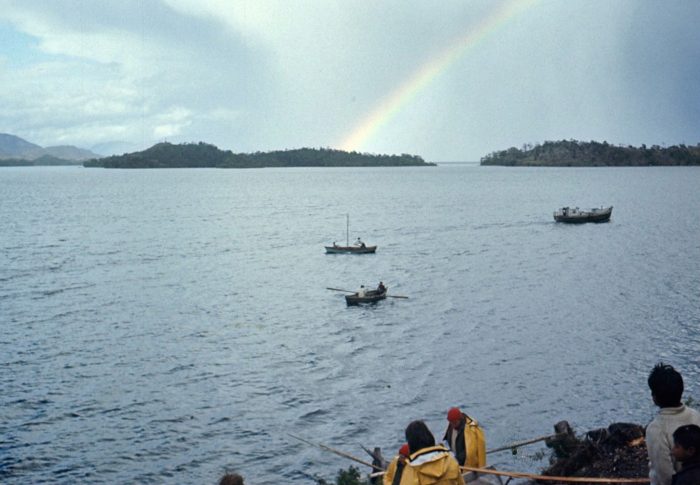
164	326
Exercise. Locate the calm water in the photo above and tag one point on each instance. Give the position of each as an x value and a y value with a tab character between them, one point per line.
164	326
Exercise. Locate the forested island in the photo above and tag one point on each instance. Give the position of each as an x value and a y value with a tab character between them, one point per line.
201	155
43	161
574	153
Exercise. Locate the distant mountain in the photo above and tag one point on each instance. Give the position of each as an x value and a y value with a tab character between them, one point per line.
14	147
574	153
191	155
69	152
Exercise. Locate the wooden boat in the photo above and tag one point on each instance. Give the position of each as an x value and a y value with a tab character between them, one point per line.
350	249
576	215
371	296
357	248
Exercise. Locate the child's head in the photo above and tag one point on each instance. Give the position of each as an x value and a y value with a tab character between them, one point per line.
686	443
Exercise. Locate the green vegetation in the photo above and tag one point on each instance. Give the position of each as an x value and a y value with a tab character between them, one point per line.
351	476
197	155
45	160
574	153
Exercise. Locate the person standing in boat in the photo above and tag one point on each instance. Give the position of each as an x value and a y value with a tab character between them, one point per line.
466	439
428	463
362	292
666	385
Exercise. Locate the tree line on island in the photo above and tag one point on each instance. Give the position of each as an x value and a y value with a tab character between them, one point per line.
203	155
43	161
574	153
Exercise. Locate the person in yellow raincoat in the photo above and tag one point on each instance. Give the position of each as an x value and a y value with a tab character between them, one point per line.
428	464
466	439
394	471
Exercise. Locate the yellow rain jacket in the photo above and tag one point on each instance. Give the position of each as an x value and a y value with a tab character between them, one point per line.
471	444
393	471
432	466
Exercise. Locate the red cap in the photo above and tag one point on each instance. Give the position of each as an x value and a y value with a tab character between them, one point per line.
454	414
404	450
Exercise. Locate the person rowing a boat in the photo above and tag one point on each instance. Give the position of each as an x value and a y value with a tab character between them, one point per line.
466	439
381	288
360	243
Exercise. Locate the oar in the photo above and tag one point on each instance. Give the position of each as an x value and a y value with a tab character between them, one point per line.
396	296
337	452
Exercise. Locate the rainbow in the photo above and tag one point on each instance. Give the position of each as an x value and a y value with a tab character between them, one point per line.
427	73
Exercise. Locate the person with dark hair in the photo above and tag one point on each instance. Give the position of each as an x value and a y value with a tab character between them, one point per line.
428	464
686	450
465	438
231	479
666	385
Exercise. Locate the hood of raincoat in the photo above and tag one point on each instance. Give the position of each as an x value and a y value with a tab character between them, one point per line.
432	466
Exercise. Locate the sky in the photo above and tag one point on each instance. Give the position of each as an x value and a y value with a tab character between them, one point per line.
449	80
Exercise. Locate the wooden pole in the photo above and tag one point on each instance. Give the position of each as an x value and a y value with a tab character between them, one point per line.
337	452
521	443
533	476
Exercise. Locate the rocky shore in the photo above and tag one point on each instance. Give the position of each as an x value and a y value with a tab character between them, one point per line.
618	451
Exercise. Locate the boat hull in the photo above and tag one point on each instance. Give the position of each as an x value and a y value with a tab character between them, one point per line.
372	296
350	249
576	216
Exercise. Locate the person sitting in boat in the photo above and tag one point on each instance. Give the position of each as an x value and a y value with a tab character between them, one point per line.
335	245
360	243
381	288
465	438
362	292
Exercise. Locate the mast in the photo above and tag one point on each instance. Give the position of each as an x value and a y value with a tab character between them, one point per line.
347	229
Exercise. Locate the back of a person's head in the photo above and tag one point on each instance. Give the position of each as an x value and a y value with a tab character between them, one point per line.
231	479
688	436
418	436
666	385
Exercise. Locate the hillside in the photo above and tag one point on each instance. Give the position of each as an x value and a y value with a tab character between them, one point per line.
14	148
198	155
573	153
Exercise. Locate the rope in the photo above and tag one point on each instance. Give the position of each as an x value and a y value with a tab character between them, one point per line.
532	476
